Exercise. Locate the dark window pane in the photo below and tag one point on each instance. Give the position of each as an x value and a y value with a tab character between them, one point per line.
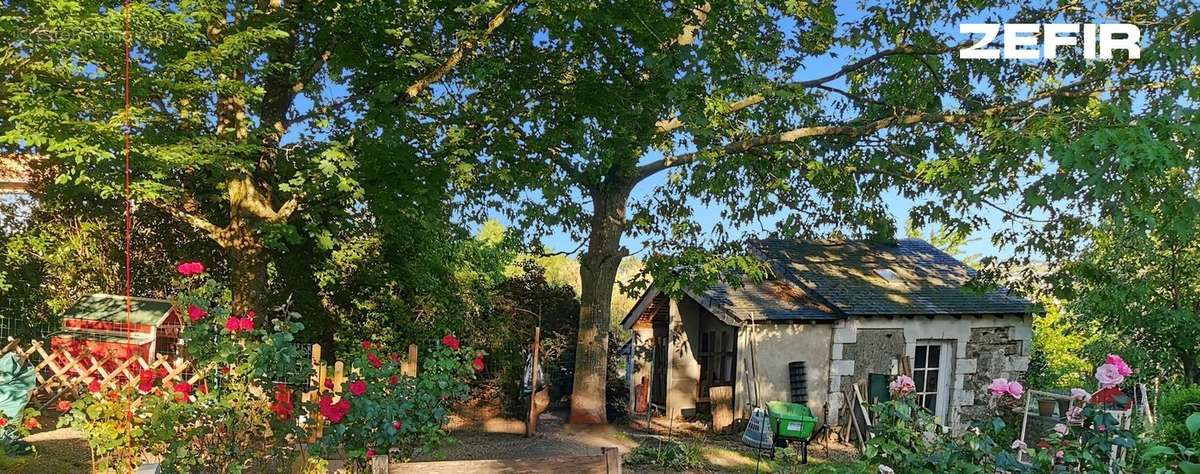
931	380
919	380
919	360
935	358
930	402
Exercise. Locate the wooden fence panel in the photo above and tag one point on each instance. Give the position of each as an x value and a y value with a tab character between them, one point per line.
59	371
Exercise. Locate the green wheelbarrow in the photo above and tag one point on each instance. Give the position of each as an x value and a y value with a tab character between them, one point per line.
793	422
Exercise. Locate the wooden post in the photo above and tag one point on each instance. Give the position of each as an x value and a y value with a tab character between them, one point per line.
379	464
612	460
409	367
531	425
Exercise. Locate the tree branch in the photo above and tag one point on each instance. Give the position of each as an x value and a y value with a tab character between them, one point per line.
214	232
457	55
243	194
862	128
675	123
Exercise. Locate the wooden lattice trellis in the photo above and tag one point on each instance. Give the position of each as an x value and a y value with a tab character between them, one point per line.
59	371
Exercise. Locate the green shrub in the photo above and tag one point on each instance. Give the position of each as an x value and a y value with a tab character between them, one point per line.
1173	408
672	455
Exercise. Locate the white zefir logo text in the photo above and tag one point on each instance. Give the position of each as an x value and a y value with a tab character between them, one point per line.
1021	40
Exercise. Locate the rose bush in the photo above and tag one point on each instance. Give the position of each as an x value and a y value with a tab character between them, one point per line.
908	438
245	413
385	411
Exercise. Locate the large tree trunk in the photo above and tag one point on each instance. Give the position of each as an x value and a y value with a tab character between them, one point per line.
598	274
1191	373
248	263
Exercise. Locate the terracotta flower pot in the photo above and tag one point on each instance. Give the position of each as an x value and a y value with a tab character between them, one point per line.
1046	406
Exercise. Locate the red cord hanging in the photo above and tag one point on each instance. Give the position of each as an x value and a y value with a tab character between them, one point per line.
127	129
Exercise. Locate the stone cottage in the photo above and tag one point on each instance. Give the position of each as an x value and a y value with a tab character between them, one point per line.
830	316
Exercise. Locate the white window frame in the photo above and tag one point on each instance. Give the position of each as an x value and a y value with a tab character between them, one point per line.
945	367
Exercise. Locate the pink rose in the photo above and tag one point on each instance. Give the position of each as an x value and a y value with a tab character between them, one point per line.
358	387
1119	363
233	324
1015	389
195	313
1080	394
1018	444
246	324
1074	414
1061	429
1109	376
998	387
902	385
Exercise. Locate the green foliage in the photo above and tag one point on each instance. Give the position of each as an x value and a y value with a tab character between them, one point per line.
1141	289
674	455
1176	409
118	437
1058	359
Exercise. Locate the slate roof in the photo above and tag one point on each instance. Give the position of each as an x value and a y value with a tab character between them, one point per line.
823	280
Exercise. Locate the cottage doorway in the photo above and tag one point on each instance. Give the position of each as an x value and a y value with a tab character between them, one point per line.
658	372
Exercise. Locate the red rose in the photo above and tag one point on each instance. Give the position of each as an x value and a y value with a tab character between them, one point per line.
63	406
374	360
247	324
398	424
358	387
395	357
3	421
195	313
479	364
184	389
333	411
114	395
282	407
329	384
394	380
145	381
203	388
94	386
451	342
370	453
190	268
32	424
161	372
366	344
233	324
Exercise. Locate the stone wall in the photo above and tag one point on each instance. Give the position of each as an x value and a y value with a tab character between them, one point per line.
994	350
984	347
